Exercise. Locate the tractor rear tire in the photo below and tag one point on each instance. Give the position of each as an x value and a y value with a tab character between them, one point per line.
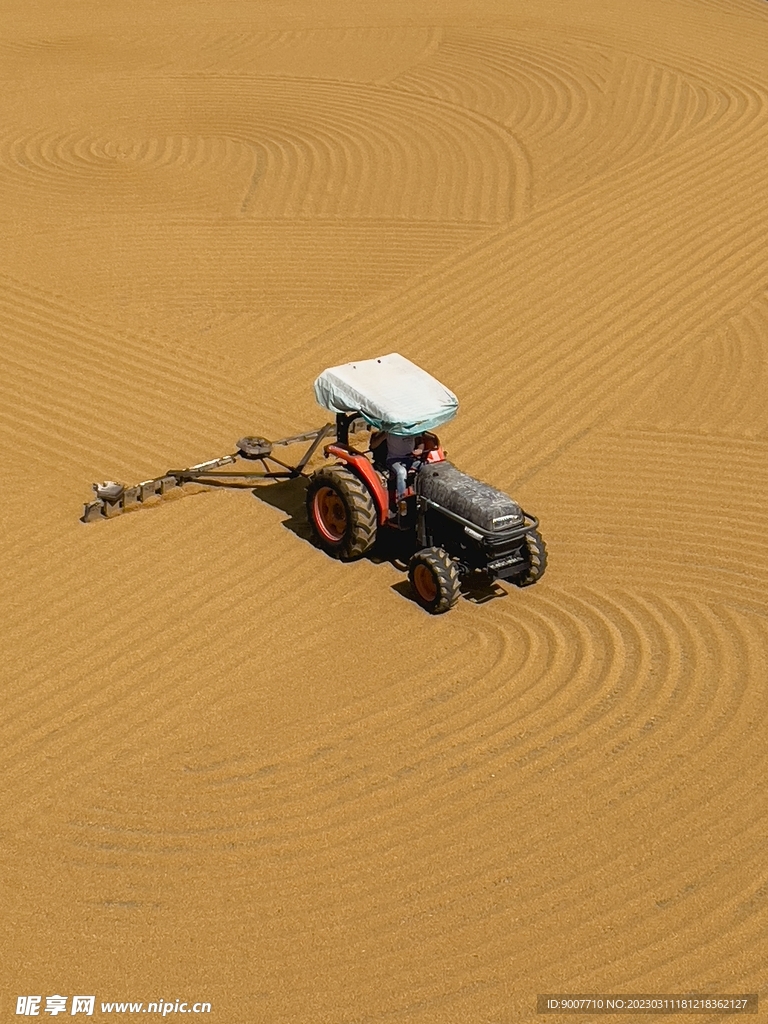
435	580
341	512
537	555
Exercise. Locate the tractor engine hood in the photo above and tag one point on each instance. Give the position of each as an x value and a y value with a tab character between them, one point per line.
478	503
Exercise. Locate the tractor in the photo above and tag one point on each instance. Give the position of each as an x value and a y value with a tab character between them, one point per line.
445	525
448	525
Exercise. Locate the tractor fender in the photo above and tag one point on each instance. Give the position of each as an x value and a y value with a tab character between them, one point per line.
360	465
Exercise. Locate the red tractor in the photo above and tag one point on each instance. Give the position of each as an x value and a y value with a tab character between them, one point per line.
448	525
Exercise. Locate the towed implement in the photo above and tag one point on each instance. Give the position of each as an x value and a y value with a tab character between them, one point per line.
113	498
446	525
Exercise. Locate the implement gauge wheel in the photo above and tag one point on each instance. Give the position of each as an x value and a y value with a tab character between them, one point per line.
435	580
341	513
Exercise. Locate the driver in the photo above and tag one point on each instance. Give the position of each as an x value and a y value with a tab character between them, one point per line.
402	453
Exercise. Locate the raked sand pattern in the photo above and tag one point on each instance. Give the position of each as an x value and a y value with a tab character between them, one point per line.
237	771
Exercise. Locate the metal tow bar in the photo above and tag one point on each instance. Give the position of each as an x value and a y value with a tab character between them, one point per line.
113	498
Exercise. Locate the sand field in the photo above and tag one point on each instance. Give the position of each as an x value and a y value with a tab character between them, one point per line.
238	771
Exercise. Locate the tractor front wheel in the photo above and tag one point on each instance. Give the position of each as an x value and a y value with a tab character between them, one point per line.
341	512
435	580
537	559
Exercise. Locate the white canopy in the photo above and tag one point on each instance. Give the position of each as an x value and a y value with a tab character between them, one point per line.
391	393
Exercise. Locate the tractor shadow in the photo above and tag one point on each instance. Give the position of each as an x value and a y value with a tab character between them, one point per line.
289	497
473	591
476	590
391	548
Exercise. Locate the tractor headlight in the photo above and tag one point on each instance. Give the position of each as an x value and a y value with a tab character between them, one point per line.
508	521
